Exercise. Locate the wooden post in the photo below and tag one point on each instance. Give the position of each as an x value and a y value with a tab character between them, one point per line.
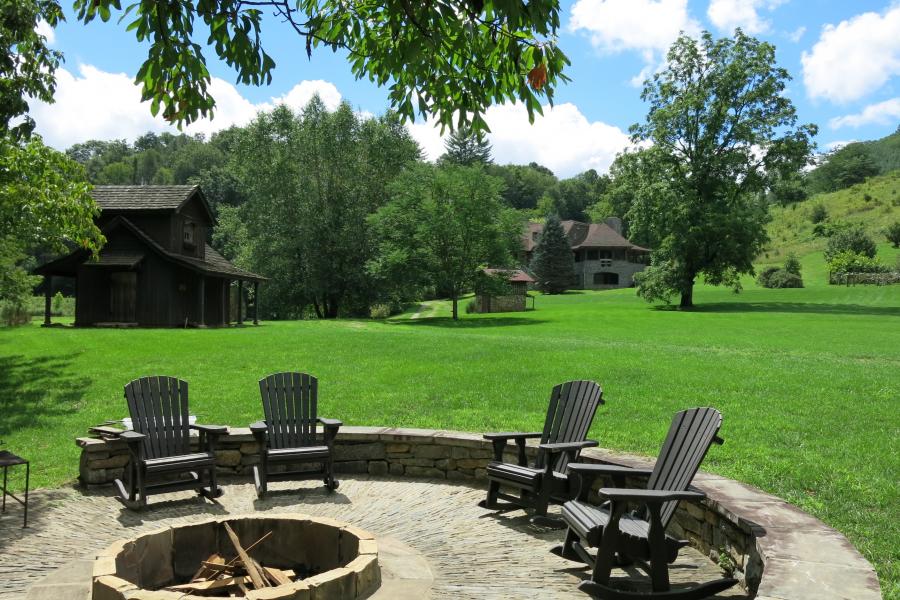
256	303
227	301
48	285
224	283
202	319
240	301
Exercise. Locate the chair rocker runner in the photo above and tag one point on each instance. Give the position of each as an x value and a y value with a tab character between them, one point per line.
160	443
569	416
288	434
624	537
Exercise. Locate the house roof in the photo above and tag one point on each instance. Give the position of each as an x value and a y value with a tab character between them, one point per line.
214	264
127	198
512	275
583	235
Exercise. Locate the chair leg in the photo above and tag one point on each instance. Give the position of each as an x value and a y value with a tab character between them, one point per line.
330	482
567	549
142	487
259	479
609	541
491	500
656	539
214	490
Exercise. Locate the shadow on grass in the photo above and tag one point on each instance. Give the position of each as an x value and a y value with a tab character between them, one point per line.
467	323
788	307
34	392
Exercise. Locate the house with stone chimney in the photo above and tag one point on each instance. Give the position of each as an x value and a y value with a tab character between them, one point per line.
604	258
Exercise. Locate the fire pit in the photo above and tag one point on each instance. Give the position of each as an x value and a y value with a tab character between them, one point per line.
287	557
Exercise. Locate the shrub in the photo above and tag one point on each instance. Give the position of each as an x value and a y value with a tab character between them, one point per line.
848	261
14	314
471	307
893	234
792	264
765	276
784	279
380	311
819	213
853	239
57	307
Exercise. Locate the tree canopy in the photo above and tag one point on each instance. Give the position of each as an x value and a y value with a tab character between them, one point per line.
449	58
722	131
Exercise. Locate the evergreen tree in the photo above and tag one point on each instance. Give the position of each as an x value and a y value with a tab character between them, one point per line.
466	147
553	263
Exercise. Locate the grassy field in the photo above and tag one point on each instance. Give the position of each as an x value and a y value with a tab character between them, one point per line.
808	381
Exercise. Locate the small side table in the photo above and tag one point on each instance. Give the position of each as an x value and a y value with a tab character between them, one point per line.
7	460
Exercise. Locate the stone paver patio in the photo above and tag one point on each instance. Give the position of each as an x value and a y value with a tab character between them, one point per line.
469	551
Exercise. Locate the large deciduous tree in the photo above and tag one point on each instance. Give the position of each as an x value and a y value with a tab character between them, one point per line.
722	130
311	180
449	58
440	226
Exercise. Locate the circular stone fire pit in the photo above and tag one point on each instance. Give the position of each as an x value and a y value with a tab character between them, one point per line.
330	559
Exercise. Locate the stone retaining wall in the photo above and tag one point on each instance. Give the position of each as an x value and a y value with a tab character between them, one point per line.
774	548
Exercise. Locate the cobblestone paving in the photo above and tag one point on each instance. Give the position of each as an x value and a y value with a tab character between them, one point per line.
472	552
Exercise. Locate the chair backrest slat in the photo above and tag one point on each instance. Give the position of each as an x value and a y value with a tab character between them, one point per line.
691	434
158	406
569	417
289	403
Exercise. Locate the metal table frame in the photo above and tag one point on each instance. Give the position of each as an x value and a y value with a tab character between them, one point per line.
7	460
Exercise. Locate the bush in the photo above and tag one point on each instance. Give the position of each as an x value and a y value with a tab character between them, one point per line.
765	276
848	261
784	279
893	234
819	213
853	239
14	314
471	307
792	264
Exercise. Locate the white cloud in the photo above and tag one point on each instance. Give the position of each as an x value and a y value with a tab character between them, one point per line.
882	113
726	15
96	104
563	139
43	28
855	57
838	144
648	26
796	34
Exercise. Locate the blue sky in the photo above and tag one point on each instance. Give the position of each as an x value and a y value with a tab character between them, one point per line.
844	58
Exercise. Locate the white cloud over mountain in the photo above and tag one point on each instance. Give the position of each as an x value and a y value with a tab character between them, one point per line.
881	113
95	104
855	57
726	15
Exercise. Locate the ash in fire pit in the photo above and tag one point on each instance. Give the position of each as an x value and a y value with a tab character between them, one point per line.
286	558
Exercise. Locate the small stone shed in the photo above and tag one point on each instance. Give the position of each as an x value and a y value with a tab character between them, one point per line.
515	296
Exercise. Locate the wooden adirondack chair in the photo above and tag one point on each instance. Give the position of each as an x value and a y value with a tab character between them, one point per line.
569	416
288	434
160	444
624	537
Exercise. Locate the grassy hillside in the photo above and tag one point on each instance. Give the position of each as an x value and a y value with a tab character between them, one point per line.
875	204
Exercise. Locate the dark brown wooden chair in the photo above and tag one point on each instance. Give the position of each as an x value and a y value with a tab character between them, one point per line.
288	434
160	443
569	417
622	537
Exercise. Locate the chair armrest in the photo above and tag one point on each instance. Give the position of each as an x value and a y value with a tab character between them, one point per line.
131	437
211	429
648	496
568	446
330	422
587	474
258	427
512	435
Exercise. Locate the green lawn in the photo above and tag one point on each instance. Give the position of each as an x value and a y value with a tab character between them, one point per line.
808	381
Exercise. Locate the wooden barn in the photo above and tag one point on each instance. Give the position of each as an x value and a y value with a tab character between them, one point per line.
513	298
156	269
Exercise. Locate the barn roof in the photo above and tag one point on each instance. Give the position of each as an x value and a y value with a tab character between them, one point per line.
583	235
127	198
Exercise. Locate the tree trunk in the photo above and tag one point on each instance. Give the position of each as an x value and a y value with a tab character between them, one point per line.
687	295
455	310
318	308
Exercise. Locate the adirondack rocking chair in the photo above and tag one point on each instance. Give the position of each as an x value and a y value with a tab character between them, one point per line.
569	416
621	537
288	434
160	443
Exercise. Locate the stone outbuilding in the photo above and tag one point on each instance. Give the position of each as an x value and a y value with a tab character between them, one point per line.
514	296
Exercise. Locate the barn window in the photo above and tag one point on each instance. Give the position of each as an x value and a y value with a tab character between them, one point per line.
189	233
606	278
593	254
